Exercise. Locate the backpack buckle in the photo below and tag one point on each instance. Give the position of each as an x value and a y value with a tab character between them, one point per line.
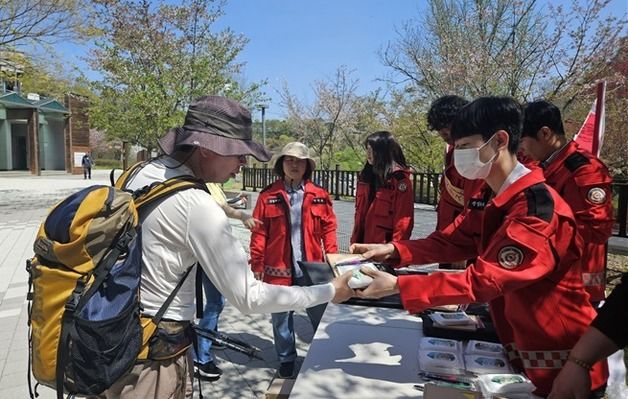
75	297
122	244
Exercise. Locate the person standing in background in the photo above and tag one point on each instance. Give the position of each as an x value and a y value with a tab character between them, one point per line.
384	204
87	162
581	179
299	224
454	190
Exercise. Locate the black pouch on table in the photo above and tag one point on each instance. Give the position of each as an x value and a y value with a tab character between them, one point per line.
485	332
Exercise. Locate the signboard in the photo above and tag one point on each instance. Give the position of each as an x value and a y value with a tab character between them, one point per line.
78	158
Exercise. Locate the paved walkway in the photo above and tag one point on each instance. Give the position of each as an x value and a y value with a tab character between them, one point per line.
24	200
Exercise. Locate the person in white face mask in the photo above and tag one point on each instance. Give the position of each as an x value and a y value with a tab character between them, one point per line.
526	246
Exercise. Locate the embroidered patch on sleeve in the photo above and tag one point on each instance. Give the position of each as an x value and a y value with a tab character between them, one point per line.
510	257
402	187
275	200
318	201
596	195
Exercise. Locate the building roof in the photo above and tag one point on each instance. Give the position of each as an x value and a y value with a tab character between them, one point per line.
14	100
50	105
46	105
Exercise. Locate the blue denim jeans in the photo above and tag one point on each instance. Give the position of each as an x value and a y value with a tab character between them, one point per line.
283	330
214	303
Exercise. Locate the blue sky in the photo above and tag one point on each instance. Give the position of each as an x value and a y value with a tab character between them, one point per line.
302	41
299	41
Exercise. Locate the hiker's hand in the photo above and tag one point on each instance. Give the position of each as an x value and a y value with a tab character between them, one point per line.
383	284
375	252
343	291
573	382
258	275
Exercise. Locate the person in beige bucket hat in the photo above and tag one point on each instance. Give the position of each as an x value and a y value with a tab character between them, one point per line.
297	216
190	228
296	150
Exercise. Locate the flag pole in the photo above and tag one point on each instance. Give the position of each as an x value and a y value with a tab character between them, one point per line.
599	114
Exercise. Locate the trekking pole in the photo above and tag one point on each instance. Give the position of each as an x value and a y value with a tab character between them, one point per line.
229	342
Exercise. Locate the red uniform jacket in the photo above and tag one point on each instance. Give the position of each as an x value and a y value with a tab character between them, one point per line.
585	184
271	249
527	268
454	190
390	216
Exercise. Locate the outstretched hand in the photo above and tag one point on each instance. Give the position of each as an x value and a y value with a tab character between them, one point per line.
375	252
383	284
343	291
250	222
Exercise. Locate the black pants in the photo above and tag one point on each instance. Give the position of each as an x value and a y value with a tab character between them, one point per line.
87	172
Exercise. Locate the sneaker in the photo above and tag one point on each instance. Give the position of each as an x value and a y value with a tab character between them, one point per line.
286	370
207	371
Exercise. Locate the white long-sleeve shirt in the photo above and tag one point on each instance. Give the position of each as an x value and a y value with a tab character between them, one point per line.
190	227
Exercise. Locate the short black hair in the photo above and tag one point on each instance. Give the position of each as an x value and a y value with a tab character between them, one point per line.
487	115
541	113
278	169
443	111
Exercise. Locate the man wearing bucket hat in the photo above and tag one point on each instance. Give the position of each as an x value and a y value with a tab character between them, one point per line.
299	224
189	227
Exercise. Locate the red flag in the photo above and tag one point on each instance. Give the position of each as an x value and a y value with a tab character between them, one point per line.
591	135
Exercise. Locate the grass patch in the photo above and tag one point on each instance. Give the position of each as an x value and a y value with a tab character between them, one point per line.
107	164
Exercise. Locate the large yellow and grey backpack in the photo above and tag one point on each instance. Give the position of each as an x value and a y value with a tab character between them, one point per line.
84	312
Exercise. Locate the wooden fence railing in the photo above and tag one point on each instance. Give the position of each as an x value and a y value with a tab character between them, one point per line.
343	183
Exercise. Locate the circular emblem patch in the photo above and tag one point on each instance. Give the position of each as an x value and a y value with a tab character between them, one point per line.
510	257
402	186
596	195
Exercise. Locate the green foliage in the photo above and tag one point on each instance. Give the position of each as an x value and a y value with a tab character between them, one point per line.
155	60
102	163
46	76
349	160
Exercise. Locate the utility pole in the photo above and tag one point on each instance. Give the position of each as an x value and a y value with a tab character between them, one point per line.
263	108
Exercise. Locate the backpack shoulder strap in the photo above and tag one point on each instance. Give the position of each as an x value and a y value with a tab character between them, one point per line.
126	175
160	313
160	190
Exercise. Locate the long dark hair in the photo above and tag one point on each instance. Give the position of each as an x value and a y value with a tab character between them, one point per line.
386	153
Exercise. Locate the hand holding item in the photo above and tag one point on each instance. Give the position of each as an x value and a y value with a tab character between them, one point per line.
383	284
343	291
360	280
375	252
258	275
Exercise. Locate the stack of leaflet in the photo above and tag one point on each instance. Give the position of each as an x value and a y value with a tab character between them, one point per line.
455	320
511	386
482	363
485	357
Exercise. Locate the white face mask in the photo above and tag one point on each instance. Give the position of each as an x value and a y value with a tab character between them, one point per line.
468	164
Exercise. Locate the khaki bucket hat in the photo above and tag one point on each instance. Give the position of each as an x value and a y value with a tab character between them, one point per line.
297	150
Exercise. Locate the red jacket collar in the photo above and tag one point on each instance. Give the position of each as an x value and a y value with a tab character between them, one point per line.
559	159
535	176
279	187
